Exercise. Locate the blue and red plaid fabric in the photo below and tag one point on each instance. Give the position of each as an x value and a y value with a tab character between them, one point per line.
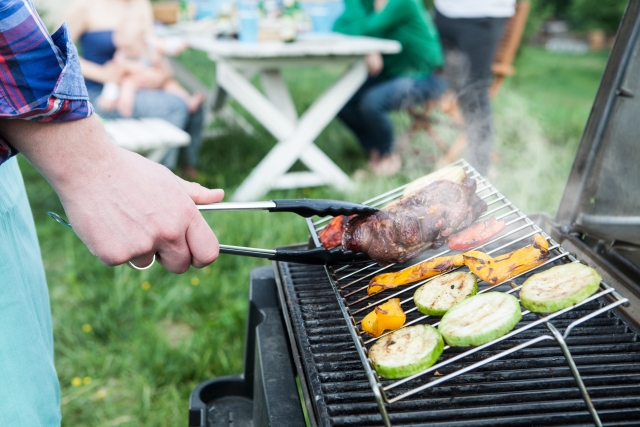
40	75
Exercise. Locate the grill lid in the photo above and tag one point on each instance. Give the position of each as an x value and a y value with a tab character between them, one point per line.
602	196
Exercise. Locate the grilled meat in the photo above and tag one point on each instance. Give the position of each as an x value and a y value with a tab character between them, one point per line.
476	235
413	224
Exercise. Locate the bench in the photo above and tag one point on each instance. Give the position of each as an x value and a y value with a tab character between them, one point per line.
151	137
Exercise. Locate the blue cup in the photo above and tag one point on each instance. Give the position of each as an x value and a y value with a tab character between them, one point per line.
335	9
320	19
247	5
205	9
248	26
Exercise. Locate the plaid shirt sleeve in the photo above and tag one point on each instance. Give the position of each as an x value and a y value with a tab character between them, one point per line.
40	76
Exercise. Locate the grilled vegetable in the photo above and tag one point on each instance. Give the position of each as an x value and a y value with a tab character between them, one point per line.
439	295
559	287
387	316
497	270
420	271
475	235
406	351
331	235
480	319
451	173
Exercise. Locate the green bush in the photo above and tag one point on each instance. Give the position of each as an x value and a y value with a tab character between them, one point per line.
596	14
540	12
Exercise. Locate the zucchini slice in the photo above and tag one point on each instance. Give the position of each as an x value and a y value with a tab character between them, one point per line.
406	351
439	295
559	287
480	319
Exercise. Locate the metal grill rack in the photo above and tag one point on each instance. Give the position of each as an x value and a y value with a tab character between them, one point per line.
349	283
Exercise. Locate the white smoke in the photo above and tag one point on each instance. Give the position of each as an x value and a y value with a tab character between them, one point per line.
526	167
529	170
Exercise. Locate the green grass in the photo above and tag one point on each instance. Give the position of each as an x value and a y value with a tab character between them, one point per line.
139	342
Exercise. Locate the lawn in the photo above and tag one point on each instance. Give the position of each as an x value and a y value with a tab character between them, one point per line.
130	346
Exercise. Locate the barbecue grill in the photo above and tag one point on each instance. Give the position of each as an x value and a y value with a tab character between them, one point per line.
306	359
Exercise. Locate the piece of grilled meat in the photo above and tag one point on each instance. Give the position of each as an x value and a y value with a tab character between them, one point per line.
424	220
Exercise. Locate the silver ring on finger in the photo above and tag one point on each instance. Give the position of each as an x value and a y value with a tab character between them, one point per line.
135	267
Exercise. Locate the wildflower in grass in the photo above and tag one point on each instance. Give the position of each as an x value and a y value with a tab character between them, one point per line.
76	381
87	328
101	394
195	281
146	285
86	380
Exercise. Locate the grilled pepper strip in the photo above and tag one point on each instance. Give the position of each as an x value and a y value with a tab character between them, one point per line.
420	271
387	316
497	270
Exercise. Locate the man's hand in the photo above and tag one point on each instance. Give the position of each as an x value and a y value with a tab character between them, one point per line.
374	63
123	206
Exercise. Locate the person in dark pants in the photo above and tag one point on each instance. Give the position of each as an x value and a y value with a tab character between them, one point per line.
395	81
472	28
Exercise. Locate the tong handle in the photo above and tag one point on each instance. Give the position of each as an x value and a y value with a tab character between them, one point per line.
317	256
321	207
302	207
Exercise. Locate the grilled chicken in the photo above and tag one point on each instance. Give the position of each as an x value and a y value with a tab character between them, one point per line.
423	220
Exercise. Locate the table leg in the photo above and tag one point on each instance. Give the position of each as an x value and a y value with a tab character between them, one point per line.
239	87
296	140
323	168
219	98
276	90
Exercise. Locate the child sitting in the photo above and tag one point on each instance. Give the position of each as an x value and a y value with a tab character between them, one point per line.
140	64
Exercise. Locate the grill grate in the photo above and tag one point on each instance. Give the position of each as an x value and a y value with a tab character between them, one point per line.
514	370
532	387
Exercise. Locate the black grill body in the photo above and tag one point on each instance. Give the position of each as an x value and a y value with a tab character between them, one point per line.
532	387
266	393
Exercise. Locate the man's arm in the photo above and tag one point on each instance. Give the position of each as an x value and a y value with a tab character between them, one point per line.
123	206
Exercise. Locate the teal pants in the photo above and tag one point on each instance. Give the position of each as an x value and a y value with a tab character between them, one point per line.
29	388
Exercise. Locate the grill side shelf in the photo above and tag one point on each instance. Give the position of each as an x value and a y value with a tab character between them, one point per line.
345	284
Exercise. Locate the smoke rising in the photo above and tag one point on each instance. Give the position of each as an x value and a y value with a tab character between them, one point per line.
529	170
526	166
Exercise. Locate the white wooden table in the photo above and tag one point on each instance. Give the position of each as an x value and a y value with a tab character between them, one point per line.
238	62
152	137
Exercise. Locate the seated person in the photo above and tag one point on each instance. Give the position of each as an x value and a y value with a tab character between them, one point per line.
395	81
92	25
141	64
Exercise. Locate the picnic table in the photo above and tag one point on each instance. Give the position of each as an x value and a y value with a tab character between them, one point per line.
238	62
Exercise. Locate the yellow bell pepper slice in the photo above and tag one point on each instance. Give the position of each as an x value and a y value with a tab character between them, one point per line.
388	316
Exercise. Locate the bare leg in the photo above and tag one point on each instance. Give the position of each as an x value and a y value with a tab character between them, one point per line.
128	89
192	101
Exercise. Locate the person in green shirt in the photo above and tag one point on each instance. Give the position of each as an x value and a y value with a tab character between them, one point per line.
395	81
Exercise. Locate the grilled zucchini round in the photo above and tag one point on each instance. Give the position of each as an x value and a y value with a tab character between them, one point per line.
480	319
406	351
559	287
439	295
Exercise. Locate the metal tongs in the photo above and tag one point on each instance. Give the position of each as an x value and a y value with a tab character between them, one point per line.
303	207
